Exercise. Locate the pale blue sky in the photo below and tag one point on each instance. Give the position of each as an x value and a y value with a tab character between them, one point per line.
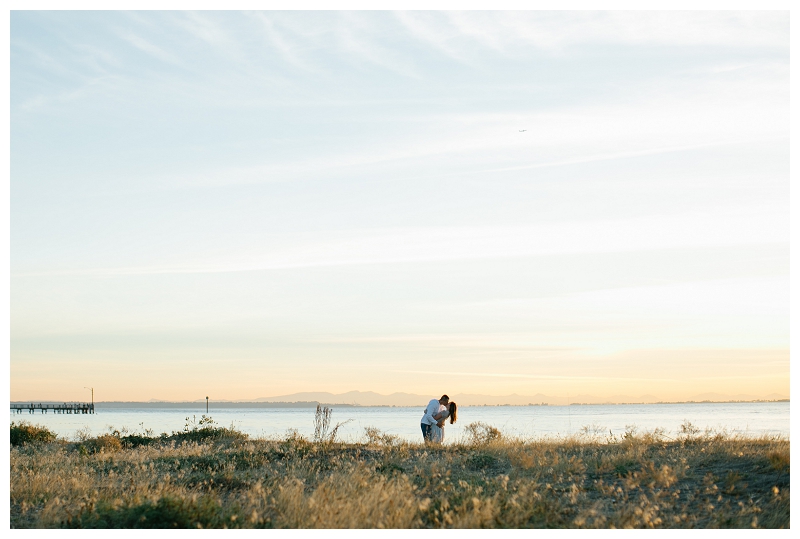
253	204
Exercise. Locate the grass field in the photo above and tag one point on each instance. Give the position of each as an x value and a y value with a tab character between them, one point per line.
211	477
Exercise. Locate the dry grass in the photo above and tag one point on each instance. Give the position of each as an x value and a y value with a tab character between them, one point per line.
640	481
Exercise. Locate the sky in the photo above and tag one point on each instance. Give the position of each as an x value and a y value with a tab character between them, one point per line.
251	204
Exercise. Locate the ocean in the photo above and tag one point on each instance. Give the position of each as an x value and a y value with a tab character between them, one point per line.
750	419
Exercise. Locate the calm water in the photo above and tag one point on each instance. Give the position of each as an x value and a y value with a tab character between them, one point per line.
744	418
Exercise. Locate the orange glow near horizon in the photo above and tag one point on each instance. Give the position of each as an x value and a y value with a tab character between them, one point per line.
675	375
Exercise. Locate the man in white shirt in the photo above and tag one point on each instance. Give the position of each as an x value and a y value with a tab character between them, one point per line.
428	420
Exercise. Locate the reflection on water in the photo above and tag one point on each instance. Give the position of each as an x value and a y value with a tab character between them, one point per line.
743	418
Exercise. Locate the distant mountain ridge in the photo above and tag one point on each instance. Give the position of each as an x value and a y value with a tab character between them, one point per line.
371	398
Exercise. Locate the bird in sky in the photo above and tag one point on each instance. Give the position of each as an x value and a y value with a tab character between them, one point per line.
522	130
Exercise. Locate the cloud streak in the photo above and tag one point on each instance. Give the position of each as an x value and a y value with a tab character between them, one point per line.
714	228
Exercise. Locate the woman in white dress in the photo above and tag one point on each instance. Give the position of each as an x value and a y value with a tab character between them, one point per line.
437	429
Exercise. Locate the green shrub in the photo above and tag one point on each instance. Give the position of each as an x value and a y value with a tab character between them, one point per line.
390	468
136	440
25	433
480	461
167	512
206	430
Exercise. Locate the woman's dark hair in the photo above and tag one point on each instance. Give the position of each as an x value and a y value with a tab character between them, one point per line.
453	412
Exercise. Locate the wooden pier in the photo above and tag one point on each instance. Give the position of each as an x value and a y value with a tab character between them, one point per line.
65	408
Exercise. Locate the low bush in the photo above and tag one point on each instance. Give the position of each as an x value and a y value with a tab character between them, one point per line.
136	440
26	433
376	437
480	433
206	430
106	443
165	513
480	461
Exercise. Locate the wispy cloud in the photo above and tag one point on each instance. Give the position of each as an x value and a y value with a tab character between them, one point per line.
652	124
717	227
204	28
88	88
288	49
355	41
557	30
443	37
148	47
512	33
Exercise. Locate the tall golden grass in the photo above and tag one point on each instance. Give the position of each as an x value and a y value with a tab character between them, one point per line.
699	480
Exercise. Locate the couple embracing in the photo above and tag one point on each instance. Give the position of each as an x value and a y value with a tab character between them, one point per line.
432	422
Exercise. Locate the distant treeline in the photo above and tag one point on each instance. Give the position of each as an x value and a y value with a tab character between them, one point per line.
201	406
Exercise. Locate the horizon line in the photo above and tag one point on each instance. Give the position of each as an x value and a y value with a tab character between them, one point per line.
155	402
